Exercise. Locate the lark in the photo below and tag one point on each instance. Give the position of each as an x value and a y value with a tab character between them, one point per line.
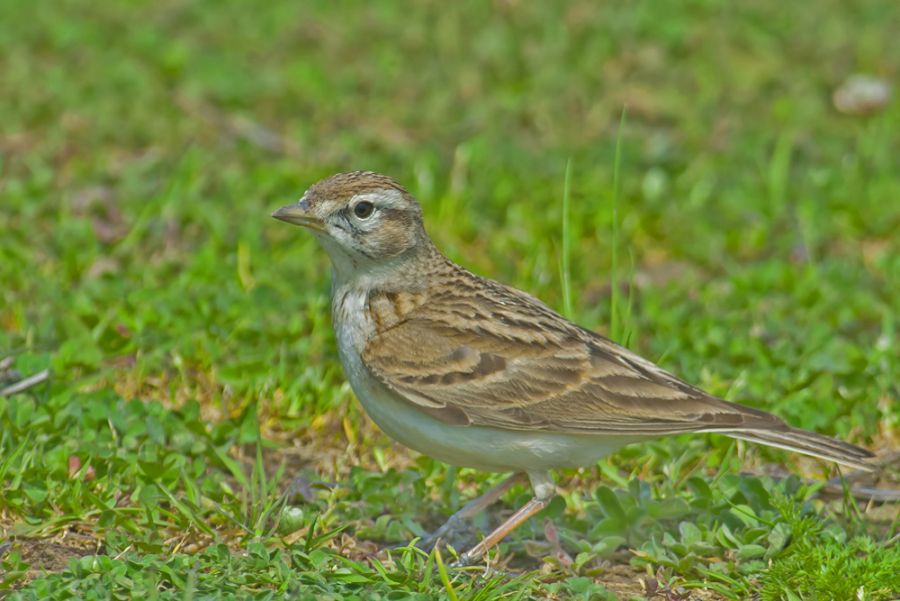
478	374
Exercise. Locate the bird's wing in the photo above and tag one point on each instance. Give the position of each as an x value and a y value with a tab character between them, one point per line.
498	357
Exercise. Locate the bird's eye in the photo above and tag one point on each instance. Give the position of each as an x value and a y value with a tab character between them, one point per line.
364	209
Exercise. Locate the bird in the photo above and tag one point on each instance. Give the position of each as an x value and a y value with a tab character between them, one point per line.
479	374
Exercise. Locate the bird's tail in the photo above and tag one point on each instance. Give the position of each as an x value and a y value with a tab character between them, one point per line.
810	443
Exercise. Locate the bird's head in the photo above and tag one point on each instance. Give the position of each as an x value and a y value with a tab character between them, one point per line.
364	220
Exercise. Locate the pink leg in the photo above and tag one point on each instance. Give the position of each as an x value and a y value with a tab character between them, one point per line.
470	509
544	491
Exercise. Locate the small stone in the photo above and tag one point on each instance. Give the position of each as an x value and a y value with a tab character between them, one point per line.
862	95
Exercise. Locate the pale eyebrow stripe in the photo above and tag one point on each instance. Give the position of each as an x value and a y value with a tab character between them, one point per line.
387	198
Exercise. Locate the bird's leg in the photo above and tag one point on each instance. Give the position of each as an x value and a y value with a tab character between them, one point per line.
470	509
544	491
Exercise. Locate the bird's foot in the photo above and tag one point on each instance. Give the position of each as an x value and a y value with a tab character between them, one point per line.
459	533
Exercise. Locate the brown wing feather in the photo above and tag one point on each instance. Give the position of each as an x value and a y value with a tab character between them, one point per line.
493	356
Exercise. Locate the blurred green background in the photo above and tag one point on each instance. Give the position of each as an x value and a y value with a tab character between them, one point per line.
144	145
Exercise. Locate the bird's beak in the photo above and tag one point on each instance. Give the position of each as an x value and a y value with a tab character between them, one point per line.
298	215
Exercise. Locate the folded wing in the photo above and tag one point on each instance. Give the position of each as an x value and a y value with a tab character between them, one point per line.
505	360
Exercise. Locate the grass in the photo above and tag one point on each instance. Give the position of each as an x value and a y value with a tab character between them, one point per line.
197	438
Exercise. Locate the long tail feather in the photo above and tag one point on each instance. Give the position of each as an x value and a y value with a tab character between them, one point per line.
810	443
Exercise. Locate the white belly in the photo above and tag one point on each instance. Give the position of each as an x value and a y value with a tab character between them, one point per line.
481	447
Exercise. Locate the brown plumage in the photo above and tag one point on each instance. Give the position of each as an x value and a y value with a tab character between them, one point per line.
478	373
481	353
